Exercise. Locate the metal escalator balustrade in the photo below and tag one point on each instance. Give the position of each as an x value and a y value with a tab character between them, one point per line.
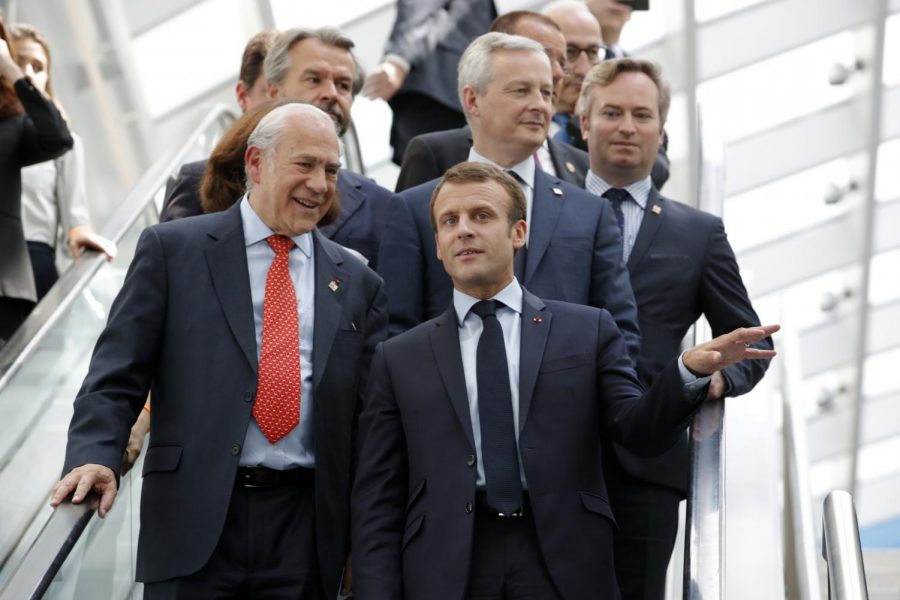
41	369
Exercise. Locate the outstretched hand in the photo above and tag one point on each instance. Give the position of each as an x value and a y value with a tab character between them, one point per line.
726	350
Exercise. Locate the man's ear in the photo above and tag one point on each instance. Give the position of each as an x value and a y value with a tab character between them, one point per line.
470	101
437	248
240	90
585	123
519	230
254	160
272	90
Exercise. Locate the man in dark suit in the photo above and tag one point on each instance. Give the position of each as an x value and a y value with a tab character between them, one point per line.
480	474
429	155
295	55
416	75
255	333
681	267
574	248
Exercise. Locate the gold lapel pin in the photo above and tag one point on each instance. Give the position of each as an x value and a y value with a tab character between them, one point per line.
557	191
656	209
537	320
334	284
570	167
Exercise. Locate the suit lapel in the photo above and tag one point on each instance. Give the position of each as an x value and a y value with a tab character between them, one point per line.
535	329
332	282
351	199
227	261
545	210
567	166
445	345
653	217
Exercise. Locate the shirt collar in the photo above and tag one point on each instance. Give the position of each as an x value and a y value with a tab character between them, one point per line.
639	190
256	231
524	169
510	296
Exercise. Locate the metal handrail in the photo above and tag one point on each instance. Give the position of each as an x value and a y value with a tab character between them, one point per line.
801	571
841	548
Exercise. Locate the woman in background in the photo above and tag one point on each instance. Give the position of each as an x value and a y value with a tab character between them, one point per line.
31	131
53	192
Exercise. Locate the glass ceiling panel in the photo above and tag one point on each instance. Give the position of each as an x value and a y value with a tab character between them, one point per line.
884	277
181	59
776	90
785	206
290	13
887	183
891	73
706	10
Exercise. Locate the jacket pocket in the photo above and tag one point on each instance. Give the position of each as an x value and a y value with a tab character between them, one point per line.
162	458
567	362
412	528
598	505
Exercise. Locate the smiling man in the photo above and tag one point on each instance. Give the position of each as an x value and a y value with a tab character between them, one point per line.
255	333
572	249
481	473
681	267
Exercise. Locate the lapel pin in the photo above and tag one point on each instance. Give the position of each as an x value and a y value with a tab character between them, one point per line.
557	191
537	320
656	209
570	167
334	284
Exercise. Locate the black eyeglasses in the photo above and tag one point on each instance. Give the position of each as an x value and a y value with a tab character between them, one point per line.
594	53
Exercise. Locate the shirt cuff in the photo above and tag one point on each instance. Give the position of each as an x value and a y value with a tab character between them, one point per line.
397	60
692	383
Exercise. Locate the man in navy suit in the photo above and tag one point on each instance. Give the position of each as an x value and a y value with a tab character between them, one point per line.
573	249
681	267
255	333
315	66
428	155
416	75
480	473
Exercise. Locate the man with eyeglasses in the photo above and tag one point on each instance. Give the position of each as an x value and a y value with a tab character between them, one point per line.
584	49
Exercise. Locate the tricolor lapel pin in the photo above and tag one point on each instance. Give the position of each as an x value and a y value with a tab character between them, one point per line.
537	320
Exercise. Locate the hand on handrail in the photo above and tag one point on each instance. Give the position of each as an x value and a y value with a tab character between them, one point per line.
80	481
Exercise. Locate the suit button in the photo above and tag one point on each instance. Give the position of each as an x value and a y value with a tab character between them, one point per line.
468	508
470	460
236	449
248	397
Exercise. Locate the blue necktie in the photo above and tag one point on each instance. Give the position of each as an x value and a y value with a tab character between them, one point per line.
616	196
498	434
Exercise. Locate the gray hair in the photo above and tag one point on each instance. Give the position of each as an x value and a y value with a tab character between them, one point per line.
268	131
278	60
475	68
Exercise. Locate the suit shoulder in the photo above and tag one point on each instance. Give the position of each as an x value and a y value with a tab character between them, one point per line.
370	188
572	310
695	216
417	193
189	226
436	138
413	339
351	261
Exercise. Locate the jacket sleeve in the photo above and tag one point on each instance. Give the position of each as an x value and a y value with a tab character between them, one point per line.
45	135
419	164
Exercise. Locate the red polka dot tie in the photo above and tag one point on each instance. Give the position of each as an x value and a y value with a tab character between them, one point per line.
277	406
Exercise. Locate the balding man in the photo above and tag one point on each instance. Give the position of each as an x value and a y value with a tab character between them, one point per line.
255	333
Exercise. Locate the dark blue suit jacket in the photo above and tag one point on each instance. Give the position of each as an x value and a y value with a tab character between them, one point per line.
432	35
363	208
574	255
182	326
415	487
682	267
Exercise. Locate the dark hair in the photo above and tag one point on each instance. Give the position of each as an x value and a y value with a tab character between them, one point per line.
472	172
9	100
508	22
255	54
223	181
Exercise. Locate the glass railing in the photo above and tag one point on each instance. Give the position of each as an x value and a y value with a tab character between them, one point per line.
41	369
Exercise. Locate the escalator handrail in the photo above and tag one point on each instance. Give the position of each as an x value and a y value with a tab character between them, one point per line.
26	339
841	548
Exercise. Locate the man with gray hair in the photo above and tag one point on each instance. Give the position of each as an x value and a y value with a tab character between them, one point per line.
255	333
573	248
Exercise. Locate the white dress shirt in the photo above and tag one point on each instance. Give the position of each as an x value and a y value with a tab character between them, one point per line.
633	211
297	448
